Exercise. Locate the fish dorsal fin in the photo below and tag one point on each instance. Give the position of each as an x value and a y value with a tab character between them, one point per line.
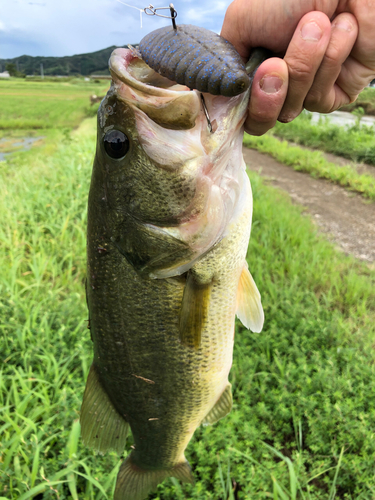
221	408
135	483
249	306
102	427
193	313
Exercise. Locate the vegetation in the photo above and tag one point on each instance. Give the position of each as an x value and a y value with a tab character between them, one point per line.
80	64
12	70
356	142
46	105
314	163
303	419
366	100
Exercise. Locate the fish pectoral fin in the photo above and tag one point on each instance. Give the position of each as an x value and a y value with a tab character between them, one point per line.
102	427
221	408
135	483
249	305
194	309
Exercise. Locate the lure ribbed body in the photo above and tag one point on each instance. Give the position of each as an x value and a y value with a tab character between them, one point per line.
197	58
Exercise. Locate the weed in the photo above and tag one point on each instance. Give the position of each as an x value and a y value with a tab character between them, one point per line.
304	386
365	100
314	163
355	142
47	104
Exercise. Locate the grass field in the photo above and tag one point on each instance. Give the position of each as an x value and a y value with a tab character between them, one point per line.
302	425
314	163
366	101
356	142
26	104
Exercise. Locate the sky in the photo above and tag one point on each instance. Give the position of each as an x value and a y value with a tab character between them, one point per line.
68	27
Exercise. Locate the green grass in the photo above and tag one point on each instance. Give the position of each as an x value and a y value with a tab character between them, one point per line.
366	101
356	142
314	163
26	104
303	420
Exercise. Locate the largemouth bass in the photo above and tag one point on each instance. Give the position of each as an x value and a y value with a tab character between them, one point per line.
169	219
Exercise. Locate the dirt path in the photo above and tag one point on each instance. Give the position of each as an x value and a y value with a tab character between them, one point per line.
346	218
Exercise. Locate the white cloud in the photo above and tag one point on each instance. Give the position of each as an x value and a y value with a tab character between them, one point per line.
207	12
66	27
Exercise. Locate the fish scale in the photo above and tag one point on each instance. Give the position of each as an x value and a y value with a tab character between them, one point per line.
169	217
180	372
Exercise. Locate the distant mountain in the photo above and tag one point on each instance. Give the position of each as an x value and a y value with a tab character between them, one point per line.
80	64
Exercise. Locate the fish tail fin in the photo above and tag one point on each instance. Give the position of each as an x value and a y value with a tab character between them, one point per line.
135	483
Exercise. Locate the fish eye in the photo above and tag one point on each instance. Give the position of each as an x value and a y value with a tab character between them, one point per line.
116	144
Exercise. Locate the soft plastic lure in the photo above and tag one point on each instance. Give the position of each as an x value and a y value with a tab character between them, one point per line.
196	57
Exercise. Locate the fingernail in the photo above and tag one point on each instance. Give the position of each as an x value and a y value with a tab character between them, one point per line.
270	84
287	118
311	32
343	25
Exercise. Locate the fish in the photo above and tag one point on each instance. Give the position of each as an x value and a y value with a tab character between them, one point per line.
169	220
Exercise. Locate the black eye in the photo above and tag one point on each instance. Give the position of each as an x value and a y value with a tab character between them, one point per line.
116	144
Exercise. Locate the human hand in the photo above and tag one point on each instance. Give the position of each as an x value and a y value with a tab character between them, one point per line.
328	55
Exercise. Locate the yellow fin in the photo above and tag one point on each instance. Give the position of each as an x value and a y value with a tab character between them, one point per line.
249	306
102	427
193	312
221	408
183	472
135	483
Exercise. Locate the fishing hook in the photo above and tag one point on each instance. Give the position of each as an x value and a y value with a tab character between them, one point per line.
206	114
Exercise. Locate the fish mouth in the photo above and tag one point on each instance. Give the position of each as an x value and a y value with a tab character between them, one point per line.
128	66
167	103
172	130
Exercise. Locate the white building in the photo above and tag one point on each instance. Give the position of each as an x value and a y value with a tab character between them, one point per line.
5	74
